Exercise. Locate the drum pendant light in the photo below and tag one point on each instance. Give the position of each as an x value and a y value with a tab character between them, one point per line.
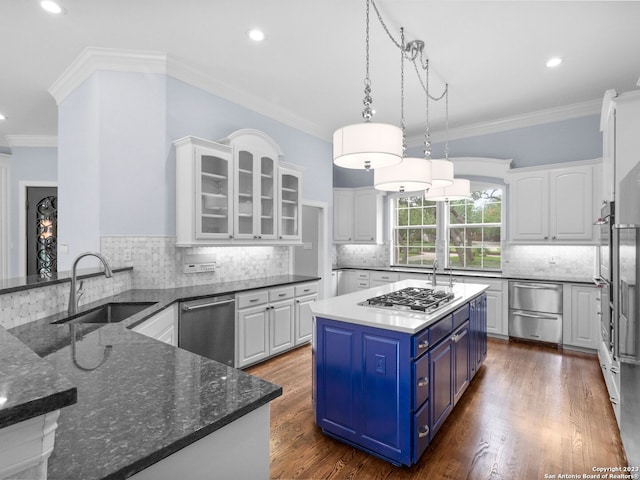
367	145
412	174
458	190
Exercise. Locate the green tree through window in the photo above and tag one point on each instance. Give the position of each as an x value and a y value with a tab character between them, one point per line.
473	230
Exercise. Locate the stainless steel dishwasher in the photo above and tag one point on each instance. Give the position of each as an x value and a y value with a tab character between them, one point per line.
207	327
535	311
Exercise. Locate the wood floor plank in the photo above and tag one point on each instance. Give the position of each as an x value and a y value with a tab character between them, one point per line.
530	411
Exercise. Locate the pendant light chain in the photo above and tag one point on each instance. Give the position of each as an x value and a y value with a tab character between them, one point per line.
427	132
446	123
367	113
402	124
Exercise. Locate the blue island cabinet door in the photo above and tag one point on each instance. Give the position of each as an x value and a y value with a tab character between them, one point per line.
386	408
441	361
363	388
337	379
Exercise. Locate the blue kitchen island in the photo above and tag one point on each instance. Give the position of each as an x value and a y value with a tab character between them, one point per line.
386	377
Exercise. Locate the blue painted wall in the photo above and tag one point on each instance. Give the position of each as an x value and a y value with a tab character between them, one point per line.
557	142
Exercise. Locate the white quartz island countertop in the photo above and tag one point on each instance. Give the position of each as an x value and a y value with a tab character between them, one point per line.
346	308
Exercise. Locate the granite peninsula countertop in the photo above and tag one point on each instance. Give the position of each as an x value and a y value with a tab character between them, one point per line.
138	400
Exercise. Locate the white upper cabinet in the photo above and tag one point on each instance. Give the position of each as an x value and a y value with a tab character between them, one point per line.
529	206
289	206
554	204
343	215
357	215
256	162
236	191
204	191
620	124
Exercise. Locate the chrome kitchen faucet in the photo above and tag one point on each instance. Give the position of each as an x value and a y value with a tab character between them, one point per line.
73	294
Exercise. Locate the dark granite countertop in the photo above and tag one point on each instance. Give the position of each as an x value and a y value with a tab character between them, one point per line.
138	400
19	284
29	387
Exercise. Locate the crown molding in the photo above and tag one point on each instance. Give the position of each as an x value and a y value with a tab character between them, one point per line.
93	59
481	166
196	78
32	140
531	119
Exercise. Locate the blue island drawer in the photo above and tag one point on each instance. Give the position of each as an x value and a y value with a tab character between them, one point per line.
440	330
460	316
420	381
420	343
420	431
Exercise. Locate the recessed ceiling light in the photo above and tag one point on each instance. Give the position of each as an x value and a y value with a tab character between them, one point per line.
2	117
256	35
554	62
52	7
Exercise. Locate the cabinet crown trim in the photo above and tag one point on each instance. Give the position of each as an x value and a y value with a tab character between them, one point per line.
244	133
552	166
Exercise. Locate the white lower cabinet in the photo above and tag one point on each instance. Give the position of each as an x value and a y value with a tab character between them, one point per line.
305	295
581	326
163	326
269	322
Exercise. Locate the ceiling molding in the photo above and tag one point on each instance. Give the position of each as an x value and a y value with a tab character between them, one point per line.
481	166
196	78
93	59
32	140
540	117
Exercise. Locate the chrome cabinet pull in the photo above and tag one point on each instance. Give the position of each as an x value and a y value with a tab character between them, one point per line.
423	431
423	344
423	382
188	308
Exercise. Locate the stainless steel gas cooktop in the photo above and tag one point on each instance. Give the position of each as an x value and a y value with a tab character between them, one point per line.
425	300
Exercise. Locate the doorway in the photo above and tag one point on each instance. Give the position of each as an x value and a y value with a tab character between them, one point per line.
310	258
41	230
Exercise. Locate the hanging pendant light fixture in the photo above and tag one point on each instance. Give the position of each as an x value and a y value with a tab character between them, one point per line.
367	145
412	174
458	190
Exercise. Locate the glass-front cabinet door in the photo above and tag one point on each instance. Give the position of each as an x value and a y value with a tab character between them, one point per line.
267	207
255	189
245	195
214	194
289	206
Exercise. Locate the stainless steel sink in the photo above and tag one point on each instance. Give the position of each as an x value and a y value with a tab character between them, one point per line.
109	313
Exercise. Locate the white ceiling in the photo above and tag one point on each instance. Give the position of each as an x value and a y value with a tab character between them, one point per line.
310	69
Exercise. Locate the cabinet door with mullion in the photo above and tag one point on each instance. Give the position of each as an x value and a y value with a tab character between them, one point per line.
289	206
255	194
214	193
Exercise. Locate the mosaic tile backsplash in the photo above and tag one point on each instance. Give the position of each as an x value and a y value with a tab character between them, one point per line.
158	263
578	261
25	306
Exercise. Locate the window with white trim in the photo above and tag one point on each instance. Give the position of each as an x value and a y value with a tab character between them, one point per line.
470	231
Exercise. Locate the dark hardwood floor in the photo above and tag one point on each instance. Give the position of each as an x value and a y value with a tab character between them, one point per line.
530	411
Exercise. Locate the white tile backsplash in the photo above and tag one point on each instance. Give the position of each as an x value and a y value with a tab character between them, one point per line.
361	256
571	261
574	261
18	308
158	263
